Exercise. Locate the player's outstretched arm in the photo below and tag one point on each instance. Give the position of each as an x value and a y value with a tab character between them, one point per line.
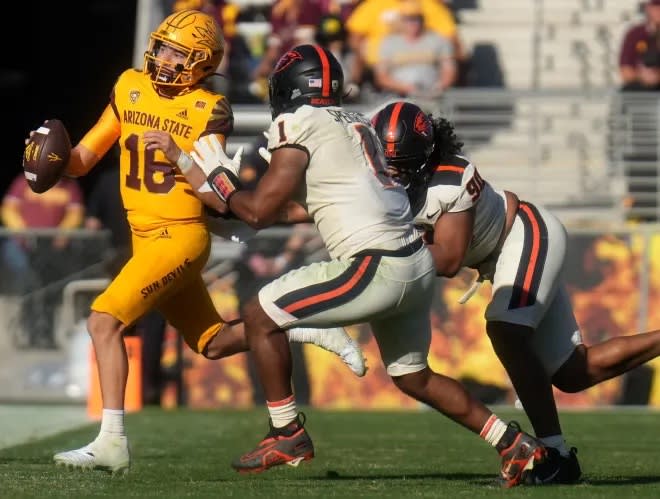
265	205
95	144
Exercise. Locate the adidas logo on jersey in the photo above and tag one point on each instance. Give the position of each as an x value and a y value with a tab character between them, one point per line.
164	234
183	114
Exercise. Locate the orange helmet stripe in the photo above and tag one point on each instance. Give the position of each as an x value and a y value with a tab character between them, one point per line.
392	125
325	66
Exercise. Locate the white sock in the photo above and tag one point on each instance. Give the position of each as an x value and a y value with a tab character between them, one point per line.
493	430
282	412
112	423
302	335
556	442
333	339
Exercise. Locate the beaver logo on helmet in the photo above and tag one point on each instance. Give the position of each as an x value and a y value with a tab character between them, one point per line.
305	75
286	60
423	125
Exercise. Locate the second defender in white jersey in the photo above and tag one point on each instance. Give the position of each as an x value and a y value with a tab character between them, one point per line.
330	161
520	248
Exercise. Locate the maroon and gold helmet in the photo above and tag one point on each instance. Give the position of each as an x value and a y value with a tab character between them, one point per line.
195	34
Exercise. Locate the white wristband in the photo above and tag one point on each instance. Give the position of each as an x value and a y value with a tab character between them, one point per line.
184	162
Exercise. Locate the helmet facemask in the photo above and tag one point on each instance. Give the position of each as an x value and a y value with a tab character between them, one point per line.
277	96
165	72
407	171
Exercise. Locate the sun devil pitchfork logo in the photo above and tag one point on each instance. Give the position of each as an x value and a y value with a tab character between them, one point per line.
54	157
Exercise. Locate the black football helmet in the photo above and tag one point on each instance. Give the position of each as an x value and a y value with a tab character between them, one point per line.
406	133
306	74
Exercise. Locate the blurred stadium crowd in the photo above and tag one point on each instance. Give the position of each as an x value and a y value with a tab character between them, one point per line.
407	48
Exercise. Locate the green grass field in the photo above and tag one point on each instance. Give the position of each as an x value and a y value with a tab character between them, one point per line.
187	453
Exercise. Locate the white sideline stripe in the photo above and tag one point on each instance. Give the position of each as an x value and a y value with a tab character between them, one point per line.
44	130
24	423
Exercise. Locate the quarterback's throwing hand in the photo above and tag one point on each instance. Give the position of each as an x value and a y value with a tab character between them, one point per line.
221	171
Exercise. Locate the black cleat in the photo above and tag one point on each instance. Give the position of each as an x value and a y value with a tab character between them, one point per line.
521	453
289	445
556	469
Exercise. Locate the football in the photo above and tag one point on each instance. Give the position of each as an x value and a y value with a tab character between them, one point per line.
46	155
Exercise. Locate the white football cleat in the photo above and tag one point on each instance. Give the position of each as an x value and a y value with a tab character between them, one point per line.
354	358
108	452
335	340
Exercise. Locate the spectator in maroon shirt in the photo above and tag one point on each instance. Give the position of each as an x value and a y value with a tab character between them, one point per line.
293	22
339	8
31	263
638	40
59	207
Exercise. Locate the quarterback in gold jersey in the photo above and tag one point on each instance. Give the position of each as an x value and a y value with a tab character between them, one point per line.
170	239
156	114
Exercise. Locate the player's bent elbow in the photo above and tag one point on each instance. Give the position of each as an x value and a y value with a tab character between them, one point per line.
447	263
449	273
448	269
258	223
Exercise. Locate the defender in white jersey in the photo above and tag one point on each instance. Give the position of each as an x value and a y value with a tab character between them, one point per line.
520	248
330	161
